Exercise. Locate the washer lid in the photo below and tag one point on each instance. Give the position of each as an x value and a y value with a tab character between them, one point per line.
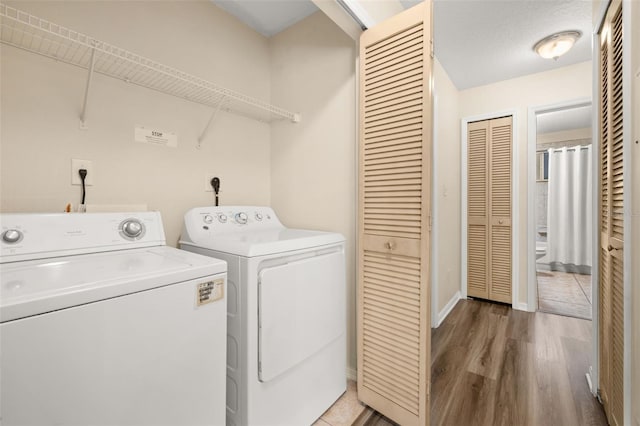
39	286
260	243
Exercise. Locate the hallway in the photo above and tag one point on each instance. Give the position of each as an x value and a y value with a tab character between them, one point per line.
492	365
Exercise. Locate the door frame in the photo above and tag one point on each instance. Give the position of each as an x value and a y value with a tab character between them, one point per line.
532	284
515	199
627	108
435	317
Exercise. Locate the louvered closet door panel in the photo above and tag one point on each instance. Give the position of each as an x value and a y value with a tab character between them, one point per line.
604	289
616	149
500	209
604	309
611	285
616	223
604	141
394	214
477	209
617	341
489	209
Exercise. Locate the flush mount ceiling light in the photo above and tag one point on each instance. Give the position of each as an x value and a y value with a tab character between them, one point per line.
557	44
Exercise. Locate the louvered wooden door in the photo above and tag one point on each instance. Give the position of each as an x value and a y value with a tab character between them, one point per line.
489	230
394	214
611	290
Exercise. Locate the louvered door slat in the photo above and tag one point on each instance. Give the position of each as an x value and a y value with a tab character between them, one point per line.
395	60
500	288
605	325
393	366
500	183
617	341
402	70
392	113
395	139
394	193
394	79
477	261
406	100
400	38
604	138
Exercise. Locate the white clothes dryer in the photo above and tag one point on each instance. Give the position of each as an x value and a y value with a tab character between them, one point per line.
286	339
102	324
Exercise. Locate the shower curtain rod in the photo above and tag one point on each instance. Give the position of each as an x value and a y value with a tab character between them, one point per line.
568	149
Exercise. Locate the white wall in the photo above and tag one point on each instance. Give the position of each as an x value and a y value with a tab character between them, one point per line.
41	102
313	163
550	87
447	190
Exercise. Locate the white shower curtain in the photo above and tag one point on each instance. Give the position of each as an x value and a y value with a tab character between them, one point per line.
569	206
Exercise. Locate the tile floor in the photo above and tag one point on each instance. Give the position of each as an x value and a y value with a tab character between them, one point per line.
564	294
345	410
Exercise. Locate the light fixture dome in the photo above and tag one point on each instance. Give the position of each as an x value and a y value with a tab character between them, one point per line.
556	45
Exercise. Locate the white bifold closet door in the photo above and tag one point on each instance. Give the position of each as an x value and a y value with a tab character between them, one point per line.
394	333
611	283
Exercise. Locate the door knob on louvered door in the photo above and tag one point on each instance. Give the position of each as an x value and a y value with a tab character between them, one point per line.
389	245
609	247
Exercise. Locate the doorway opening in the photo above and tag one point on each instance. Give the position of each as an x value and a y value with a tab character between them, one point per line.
563	211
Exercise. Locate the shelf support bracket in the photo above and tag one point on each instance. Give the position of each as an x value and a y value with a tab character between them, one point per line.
87	91
208	126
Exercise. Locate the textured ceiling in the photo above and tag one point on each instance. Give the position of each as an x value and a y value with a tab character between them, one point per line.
477	41
268	17
568	119
480	42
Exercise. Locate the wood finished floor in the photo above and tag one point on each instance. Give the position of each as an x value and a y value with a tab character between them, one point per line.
492	365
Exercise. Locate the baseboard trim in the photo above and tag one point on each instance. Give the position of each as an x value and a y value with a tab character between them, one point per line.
588	374
522	307
447	308
352	374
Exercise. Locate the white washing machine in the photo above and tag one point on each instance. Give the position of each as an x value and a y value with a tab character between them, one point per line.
286	343
102	324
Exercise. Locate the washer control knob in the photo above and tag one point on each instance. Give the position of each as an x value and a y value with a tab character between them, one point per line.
132	228
222	218
241	218
258	216
207	218
11	236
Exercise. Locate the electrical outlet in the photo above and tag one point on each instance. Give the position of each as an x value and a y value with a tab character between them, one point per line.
82	164
207	182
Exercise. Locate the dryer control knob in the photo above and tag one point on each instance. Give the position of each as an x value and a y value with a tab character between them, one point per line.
207	218
258	216
241	218
11	236
132	228
222	218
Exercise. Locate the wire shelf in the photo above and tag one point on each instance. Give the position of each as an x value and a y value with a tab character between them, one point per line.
28	32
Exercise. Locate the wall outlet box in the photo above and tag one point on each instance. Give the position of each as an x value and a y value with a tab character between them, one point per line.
82	164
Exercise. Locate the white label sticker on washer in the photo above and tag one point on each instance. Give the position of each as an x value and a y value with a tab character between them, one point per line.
156	136
209	291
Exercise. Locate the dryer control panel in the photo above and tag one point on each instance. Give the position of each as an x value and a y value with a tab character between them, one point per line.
222	219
